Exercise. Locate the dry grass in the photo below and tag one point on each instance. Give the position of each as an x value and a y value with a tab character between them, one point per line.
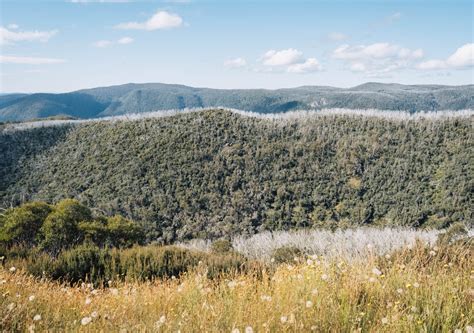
413	290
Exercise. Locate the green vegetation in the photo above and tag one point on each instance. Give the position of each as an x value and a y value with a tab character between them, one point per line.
216	173
64	225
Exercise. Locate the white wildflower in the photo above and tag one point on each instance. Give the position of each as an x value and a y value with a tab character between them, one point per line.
12	269
283	319
384	320
94	314
86	321
324	277
309	304
376	271
469	329
235	330
88	301
249	329
37	317
31	298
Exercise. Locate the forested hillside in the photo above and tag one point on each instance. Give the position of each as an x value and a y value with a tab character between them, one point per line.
214	173
147	97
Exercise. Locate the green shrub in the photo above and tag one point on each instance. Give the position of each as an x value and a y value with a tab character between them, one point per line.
221	246
286	254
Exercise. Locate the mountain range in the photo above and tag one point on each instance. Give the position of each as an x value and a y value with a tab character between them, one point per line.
146	97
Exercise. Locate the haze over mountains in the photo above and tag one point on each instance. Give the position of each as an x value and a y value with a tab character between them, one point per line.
137	98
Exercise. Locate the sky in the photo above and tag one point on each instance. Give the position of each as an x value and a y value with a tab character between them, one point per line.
60	46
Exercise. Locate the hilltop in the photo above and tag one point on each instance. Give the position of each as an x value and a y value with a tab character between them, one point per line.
138	98
215	173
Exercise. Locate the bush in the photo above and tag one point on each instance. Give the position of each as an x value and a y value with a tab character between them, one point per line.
88	262
221	246
286	254
455	232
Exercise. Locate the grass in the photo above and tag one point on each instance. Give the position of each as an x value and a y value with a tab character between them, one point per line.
417	289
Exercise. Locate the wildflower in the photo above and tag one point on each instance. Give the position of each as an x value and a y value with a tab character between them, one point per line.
416	285
299	276
266	298
384	320
232	284
376	271
94	314
162	319
283	319
413	309
469	329
37	317
86	321
309	304
314	291
272	260
432	253
387	256
324	277
249	329
400	291
31	298
313	256
372	279
235	330
88	301
12	269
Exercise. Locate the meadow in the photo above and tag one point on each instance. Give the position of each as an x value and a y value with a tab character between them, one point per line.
421	286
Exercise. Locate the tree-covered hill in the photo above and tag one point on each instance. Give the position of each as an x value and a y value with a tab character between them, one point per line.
215	173
136	98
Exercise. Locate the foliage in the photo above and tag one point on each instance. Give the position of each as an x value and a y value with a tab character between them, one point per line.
221	246
216	173
53	228
286	254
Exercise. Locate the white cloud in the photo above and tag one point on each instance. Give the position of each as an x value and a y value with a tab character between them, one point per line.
394	17
29	60
463	57
310	65
103	43
235	63
9	36
160	20
282	57
125	40
13	26
337	36
377	58
106	43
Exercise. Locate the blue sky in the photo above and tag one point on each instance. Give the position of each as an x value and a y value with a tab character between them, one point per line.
58	46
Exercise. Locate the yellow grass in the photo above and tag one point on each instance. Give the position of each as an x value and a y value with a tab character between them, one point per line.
412	291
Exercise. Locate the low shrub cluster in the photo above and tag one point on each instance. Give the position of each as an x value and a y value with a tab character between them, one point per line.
54	228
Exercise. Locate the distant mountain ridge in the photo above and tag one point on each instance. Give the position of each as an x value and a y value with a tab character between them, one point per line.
146	97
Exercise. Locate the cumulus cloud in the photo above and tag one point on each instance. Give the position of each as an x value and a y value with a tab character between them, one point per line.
235	63
310	65
377	58
11	35
289	60
160	20
337	36
282	58
463	57
29	60
13	26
